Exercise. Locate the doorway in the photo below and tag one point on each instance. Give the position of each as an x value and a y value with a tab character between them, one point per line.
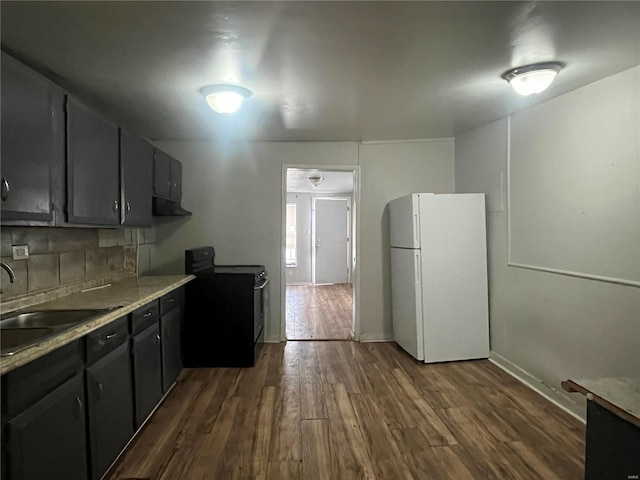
319	245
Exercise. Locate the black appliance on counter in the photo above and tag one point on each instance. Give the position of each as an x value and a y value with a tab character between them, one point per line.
224	311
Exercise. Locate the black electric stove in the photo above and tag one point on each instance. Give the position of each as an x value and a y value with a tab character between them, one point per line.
225	309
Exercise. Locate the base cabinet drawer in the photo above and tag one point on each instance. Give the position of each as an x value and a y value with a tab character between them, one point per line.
48	439
110	408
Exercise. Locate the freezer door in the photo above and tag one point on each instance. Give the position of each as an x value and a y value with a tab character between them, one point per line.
404	221
406	300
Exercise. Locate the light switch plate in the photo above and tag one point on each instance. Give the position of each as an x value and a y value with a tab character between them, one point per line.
20	252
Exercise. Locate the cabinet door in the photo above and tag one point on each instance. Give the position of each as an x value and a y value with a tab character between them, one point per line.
162	174
171	349
28	127
110	407
147	372
136	156
93	170
47	440
176	179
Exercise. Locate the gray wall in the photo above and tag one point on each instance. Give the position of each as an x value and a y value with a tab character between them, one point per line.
545	326
236	200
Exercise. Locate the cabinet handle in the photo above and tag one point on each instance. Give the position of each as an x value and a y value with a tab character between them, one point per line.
5	189
169	185
158	337
171	300
111	335
80	407
148	314
127	206
116	206
100	389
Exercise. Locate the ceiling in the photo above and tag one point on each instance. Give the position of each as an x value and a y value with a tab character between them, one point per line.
319	71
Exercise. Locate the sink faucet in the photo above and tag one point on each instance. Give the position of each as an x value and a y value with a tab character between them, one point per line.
12	275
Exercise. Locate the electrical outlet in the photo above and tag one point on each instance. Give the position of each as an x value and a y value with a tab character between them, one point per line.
20	252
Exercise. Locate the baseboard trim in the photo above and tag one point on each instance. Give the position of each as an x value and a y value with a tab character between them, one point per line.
375	338
537	386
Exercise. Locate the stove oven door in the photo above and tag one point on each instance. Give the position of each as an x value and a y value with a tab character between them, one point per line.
260	306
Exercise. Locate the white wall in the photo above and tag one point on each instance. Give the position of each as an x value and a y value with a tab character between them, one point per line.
236	199
549	327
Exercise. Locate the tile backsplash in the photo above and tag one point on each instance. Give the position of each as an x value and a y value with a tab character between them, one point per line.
63	257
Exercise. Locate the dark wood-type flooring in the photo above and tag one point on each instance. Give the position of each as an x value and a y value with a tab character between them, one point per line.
348	410
319	312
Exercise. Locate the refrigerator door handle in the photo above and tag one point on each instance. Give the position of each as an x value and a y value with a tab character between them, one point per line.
416	231
417	268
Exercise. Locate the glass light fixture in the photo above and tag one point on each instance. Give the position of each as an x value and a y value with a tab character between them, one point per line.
532	79
315	179
225	98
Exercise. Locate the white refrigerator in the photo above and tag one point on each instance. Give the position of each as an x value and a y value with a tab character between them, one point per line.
439	276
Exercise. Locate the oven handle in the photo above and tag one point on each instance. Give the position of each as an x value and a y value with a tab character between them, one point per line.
263	283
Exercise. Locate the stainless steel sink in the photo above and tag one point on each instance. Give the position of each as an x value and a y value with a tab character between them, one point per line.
47	318
15	337
20	330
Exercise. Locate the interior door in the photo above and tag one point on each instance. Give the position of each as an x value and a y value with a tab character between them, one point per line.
331	240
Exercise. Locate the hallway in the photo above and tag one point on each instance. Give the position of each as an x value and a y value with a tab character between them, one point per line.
319	312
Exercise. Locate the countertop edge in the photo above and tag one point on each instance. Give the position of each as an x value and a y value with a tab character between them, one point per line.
19	359
573	386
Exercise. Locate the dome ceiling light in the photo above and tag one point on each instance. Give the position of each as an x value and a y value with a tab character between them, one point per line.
225	98
315	179
532	79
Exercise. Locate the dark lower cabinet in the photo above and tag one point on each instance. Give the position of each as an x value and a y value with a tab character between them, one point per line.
171	351
613	446
48	439
147	372
110	408
69	414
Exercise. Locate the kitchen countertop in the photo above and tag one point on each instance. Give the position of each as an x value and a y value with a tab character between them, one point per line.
128	294
620	396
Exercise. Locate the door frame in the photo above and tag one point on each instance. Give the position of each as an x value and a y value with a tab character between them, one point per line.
355	241
314	232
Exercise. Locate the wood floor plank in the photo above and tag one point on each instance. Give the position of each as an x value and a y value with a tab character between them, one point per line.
284	471
285	442
350	456
159	435
385	456
434	430
262	439
353	411
316	450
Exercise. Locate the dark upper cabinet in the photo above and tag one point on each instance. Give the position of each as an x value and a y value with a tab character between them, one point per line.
136	157
32	122
93	167
48	439
167	178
